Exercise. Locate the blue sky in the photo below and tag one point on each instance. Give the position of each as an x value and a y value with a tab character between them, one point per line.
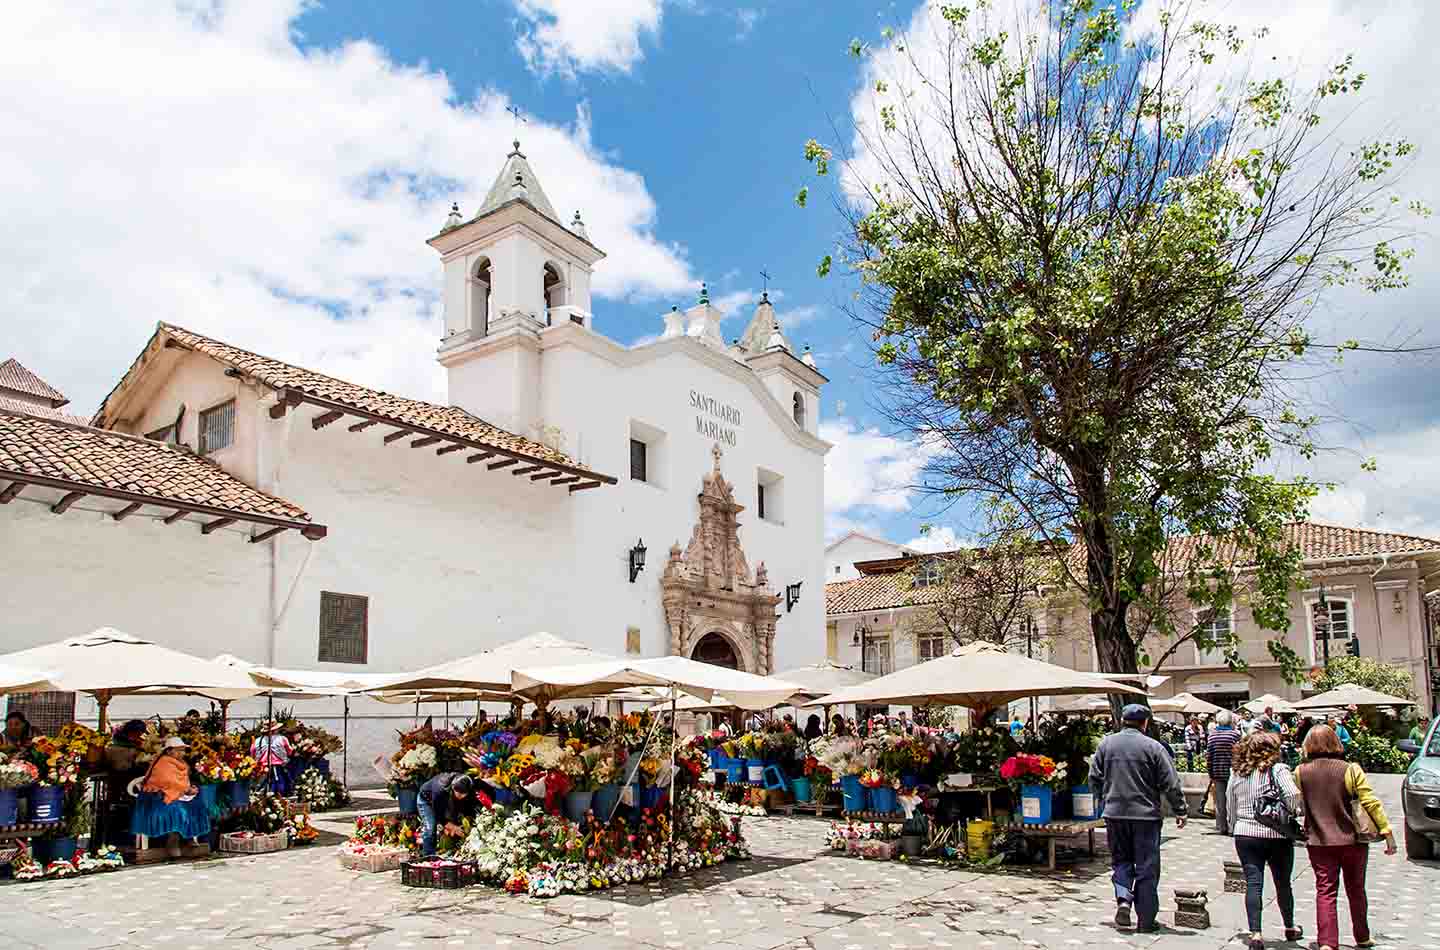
254	169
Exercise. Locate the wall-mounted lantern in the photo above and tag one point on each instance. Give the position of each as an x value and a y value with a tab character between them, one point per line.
637	559
792	595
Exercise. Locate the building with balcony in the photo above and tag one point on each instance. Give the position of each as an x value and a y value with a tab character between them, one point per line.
1368	594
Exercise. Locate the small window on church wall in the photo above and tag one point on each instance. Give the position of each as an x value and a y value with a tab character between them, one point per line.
638	461
799	410
769	496
217	427
344	628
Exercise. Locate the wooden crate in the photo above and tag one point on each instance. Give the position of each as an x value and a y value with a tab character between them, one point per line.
235	843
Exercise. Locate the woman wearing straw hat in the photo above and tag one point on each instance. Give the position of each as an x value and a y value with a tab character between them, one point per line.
166	802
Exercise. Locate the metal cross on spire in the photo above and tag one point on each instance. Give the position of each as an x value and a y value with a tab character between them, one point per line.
765	287
518	117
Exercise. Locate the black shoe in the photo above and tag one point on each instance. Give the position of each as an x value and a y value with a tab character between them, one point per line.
1256	943
1293	934
1122	914
1151	928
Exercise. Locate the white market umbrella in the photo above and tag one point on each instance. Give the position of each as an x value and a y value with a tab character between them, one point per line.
1351	694
108	663
745	690
979	676
824	678
1190	705
1277	703
490	671
15	679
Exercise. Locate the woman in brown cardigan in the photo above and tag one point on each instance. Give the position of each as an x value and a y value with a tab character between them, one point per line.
1329	786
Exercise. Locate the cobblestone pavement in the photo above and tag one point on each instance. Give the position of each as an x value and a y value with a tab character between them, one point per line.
794	894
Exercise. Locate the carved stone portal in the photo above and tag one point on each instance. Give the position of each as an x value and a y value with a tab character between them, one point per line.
711	600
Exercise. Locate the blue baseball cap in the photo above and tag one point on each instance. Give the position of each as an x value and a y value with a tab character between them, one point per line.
1135	713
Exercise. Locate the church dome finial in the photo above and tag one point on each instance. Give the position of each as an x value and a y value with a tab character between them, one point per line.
704	294
515	150
453	220
578	227
764	296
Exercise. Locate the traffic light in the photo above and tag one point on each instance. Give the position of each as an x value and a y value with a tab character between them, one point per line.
1353	648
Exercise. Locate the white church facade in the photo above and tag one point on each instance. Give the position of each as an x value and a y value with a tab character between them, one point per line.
402	533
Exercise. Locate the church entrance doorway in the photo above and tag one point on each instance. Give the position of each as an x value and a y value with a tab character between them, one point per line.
717	651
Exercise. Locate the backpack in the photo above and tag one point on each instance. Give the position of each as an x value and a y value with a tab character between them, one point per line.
1275	813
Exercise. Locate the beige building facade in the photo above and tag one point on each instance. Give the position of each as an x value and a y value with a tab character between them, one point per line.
1374	587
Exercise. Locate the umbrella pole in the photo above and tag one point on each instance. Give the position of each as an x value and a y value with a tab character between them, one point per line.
674	785
102	697
345	756
224	715
447	714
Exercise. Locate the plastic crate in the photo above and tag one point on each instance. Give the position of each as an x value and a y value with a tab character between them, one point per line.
244	843
444	875
376	861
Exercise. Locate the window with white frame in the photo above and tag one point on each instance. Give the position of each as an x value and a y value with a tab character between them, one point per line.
1340	614
929	574
770	495
1217	630
647	454
878	657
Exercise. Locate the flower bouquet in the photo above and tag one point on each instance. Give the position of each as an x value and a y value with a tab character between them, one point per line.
1026	769
17	773
874	778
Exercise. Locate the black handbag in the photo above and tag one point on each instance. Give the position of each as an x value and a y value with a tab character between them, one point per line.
1275	813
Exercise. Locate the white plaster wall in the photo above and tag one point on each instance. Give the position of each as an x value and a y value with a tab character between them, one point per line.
840	559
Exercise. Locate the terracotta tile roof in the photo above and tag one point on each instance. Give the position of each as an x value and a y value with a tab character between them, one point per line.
18	378
86	457
874	592
10	404
883	587
448	420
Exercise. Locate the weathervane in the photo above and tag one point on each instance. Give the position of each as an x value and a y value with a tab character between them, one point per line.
515	113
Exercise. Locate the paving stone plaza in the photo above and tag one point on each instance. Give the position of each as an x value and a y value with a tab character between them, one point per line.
793	895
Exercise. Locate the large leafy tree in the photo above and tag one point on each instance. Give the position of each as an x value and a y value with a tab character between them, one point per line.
1088	249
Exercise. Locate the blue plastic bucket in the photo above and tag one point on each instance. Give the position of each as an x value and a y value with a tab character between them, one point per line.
408	796
754	770
209	795
735	770
800	788
1036	804
9	806
240	793
47	804
577	804
1086	805
651	796
882	799
852	792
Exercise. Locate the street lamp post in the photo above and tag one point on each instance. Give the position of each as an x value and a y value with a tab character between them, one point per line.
1322	625
1029	654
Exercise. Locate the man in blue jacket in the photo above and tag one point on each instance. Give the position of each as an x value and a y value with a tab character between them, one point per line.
1131	772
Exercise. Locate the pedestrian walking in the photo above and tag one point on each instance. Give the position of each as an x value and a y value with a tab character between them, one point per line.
1342	814
1131	773
1256	769
1194	741
1219	749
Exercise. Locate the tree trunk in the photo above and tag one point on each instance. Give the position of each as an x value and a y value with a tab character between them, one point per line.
1114	649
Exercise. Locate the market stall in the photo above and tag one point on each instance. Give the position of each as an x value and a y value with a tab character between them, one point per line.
570	802
1350	694
1042	771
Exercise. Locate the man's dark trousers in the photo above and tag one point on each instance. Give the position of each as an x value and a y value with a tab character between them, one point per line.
1135	865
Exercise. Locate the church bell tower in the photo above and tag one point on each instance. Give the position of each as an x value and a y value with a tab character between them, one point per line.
511	272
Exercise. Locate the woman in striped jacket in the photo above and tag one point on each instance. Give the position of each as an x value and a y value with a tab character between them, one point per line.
1255	766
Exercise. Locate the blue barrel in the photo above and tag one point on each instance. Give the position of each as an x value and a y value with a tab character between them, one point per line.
603	804
209	795
1036	804
240	793
47	804
408	796
800	788
853	792
882	799
9	806
735	770
1086	805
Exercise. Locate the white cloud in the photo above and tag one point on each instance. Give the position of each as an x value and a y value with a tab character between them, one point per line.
746	18
567	37
867	473
202	169
938	539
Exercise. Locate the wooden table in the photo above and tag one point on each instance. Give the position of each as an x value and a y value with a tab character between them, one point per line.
1054	830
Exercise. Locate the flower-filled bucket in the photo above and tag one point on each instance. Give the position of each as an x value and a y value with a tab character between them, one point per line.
503	796
409	796
9	806
755	770
800	788
1085	804
1036	804
47	804
853	792
651	796
882	799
